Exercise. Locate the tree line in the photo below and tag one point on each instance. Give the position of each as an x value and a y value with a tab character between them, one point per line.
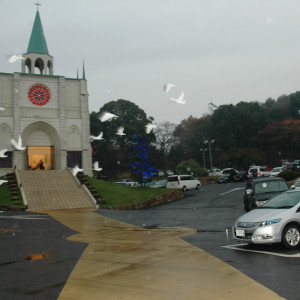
232	135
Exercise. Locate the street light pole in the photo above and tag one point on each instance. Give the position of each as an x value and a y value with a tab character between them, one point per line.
209	147
203	151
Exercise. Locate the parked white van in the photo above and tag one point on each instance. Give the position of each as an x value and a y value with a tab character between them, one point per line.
184	182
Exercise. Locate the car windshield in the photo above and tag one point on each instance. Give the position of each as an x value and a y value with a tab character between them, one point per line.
270	187
225	175
284	200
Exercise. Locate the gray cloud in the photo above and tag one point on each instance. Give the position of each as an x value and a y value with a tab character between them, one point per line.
219	51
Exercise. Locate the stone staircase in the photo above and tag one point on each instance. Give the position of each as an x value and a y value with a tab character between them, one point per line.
53	189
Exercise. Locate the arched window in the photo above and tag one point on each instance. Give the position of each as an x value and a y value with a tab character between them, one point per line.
50	67
39	64
28	65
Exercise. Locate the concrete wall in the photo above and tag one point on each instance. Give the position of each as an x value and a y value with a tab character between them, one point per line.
63	121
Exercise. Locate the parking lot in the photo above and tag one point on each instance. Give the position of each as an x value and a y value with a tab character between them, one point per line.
40	245
210	212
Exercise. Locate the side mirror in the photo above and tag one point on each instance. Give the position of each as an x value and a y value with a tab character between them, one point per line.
292	187
249	191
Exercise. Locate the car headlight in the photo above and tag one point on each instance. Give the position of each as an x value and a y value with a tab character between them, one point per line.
269	222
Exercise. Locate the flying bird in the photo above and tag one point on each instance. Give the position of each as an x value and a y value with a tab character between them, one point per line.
96	166
2	109
106	116
18	145
14	58
2	153
120	131
76	170
3	181
149	127
168	86
98	138
180	99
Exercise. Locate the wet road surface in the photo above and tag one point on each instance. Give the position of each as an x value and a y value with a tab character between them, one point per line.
36	256
124	261
159	253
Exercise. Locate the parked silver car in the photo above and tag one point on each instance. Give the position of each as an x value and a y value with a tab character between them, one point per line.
276	221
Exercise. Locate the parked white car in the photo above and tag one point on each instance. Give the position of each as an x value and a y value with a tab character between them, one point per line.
184	182
258	171
215	172
296	185
276	171
276	221
127	182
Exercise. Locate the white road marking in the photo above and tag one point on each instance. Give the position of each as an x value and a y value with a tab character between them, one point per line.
237	189
237	247
26	217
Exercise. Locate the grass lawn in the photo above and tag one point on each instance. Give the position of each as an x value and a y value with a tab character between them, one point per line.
6	195
116	194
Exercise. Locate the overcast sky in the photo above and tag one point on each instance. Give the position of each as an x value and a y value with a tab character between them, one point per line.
219	51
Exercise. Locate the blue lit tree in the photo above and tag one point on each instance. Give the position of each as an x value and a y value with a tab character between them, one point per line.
140	160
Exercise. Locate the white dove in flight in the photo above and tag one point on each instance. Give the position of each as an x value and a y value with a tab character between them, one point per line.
3	181
98	138
2	153
149	127
18	145
96	166
180	99
120	131
2	109
106	116
76	170
168	86
14	58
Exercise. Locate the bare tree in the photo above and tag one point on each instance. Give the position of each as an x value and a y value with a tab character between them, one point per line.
165	139
164	134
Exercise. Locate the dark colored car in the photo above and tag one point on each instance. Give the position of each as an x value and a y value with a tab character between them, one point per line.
259	190
240	176
227	176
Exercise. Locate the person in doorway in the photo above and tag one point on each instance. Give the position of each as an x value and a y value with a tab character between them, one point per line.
42	165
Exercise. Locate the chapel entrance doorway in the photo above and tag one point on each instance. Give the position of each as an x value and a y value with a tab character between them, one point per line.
40	154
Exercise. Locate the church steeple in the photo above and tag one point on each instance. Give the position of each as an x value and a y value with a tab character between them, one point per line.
37	42
37	55
83	71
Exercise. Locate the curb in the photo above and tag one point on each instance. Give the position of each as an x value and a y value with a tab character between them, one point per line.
176	194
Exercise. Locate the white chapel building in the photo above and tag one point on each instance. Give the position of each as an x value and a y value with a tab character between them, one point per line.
49	112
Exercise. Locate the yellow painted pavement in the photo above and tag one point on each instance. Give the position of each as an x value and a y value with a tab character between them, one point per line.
124	261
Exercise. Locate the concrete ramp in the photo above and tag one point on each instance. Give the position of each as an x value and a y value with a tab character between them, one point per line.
53	189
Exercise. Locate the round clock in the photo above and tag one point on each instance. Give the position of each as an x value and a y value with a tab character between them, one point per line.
39	94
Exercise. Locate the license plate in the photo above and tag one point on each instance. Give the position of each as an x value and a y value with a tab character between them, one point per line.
240	233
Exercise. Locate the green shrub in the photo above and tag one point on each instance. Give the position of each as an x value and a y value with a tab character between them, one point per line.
191	167
288	175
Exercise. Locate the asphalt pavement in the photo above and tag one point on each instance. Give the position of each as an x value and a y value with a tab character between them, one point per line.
172	251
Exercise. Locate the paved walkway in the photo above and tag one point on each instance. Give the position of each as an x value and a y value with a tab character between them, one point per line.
124	261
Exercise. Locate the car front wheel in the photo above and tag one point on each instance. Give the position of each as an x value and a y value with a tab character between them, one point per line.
184	188
198	187
291	236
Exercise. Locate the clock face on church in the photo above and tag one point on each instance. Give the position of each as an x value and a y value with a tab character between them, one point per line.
39	94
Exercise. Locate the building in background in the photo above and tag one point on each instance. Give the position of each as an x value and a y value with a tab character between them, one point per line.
48	111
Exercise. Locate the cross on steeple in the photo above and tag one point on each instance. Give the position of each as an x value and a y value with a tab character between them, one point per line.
37	5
